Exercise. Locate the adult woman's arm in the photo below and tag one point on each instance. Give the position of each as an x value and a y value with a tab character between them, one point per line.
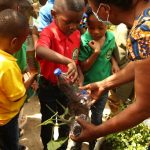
131	116
123	76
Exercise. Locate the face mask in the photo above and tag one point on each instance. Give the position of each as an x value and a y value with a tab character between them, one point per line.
107	22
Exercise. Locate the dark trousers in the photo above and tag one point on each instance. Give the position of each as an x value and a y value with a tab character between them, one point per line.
9	135
97	114
48	94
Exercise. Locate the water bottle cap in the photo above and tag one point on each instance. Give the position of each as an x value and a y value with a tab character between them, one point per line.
83	92
57	72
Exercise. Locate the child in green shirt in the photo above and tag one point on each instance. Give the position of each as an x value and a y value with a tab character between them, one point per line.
95	59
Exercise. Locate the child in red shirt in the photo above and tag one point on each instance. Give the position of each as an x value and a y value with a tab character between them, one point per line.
58	47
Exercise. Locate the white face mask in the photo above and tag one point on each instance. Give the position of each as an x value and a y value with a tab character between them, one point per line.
107	22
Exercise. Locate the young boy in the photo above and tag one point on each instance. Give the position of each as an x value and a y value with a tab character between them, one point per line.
45	17
14	30
95	56
26	9
6	4
58	47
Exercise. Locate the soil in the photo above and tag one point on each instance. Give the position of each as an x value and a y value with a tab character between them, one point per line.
31	136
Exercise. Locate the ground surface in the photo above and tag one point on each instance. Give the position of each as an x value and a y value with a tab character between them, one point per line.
31	137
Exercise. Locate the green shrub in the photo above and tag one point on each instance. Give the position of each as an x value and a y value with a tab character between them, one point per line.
136	138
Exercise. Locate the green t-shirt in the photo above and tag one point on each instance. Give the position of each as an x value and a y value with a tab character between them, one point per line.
21	57
101	68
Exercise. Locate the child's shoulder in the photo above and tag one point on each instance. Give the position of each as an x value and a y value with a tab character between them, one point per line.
6	61
86	37
50	30
110	35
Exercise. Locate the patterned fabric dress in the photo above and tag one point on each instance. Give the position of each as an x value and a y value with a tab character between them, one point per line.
138	42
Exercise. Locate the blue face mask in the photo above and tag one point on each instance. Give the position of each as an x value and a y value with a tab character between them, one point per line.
107	22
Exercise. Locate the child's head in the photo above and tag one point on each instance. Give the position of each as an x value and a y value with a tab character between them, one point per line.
14	29
6	4
26	8
67	14
96	29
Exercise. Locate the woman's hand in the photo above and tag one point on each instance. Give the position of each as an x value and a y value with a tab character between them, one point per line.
88	132
95	90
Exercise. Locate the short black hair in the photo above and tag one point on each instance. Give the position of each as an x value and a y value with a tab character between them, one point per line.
89	13
73	5
123	4
26	6
12	24
6	4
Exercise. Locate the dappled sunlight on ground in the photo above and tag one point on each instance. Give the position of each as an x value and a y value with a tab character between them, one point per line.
37	116
31	136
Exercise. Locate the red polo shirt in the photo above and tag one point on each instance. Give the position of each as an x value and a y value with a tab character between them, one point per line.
51	37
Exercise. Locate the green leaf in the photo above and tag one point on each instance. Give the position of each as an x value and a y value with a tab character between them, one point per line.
61	104
54	145
66	111
50	109
49	121
136	138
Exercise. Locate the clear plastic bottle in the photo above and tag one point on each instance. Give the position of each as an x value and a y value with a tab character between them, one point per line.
78	99
71	90
65	84
78	103
76	128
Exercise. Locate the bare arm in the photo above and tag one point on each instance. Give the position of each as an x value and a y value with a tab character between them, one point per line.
51	55
81	76
35	35
87	64
131	116
55	57
96	46
128	118
123	76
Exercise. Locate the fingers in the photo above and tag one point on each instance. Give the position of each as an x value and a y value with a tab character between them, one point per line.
92	91
73	75
92	102
81	122
91	86
76	138
71	72
91	43
81	136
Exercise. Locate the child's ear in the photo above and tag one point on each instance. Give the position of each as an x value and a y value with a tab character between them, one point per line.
14	43
53	13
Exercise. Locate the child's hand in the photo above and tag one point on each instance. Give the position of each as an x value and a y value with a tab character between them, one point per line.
95	45
35	85
29	79
80	80
72	71
115	68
